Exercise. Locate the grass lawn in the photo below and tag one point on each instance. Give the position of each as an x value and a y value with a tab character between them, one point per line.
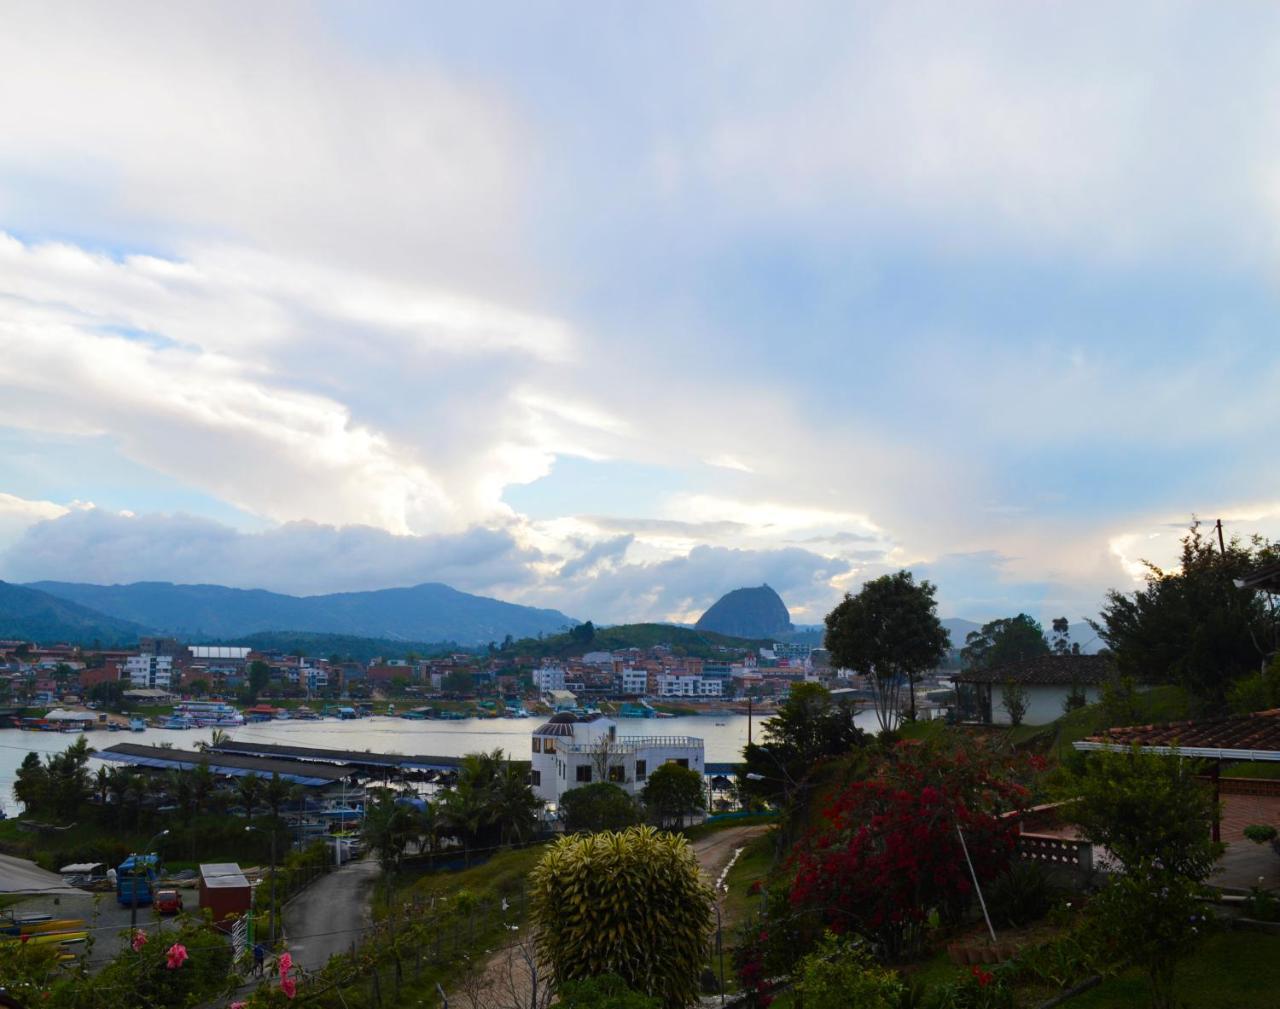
752	867
1232	970
1159	704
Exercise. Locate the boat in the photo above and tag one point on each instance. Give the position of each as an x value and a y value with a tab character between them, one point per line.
176	722
415	715
304	713
137	725
115	727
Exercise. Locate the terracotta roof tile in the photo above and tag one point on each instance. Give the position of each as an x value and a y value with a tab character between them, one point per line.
1259	731
1048	670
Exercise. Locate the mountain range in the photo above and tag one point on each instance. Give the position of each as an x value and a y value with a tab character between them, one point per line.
428	612
27	614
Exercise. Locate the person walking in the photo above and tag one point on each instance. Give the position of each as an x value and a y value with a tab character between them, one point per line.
259	957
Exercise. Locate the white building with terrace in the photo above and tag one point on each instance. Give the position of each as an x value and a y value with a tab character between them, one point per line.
570	751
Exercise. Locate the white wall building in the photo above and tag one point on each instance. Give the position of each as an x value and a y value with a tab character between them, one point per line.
549	678
635	681
570	751
689	685
149	671
1044	683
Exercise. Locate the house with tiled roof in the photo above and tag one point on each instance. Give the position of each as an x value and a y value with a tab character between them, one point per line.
1047	682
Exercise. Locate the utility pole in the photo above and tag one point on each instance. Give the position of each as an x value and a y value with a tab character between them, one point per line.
1222	547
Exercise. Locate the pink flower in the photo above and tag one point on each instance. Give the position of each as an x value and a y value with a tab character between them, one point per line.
237	1005
285	962
288	986
138	941
177	954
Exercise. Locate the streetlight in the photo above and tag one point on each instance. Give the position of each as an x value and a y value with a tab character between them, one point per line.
133	890
273	875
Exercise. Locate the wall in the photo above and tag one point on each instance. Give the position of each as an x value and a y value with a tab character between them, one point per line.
1044	703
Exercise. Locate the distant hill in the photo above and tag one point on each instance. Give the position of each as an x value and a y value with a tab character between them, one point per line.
429	612
684	640
345	646
747	613
31	615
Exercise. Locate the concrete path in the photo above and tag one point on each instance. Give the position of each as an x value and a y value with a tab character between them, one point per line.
330	914
716	850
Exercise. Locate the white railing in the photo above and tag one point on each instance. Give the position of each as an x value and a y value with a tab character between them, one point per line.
630	744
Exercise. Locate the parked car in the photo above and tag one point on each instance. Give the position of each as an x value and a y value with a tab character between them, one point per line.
168	901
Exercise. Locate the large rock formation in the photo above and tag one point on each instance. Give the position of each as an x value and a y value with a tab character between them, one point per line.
747	613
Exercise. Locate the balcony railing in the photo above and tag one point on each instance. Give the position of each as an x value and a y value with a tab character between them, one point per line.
630	744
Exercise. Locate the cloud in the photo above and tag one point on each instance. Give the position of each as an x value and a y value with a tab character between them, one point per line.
298	557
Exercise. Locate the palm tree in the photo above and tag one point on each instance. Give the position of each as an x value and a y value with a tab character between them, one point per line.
389	826
136	789
217	738
249	789
275	794
102	784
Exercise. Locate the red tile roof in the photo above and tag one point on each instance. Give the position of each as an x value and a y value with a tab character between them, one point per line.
1257	735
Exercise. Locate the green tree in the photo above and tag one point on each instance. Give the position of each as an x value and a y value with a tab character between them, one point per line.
259	677
810	727
1003	642
1191	625
1152	813
1014	701
1062	643
672	793
198	687
458	681
599	806
249	792
275	793
631	904
389	826
891	632
31	784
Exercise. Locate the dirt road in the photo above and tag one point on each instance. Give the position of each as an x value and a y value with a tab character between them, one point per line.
716	850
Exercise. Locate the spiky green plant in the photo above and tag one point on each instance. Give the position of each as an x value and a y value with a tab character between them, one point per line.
628	903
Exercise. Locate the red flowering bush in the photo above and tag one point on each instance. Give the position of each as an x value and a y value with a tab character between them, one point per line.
887	852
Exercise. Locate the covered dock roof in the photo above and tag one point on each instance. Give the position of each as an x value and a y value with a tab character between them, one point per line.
362	759
231	765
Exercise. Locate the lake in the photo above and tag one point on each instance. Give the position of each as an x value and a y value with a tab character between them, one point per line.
724	735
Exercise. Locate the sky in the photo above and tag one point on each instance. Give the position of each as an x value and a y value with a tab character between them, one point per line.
613	308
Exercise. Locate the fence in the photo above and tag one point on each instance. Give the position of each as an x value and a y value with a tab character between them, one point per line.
1059	852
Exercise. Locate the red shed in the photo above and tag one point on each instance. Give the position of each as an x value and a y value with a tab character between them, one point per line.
224	891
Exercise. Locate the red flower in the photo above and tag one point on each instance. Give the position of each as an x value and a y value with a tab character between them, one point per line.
177	954
983	977
138	941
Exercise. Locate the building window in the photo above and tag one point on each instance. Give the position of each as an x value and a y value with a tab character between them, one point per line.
642	768
618	773
584	772
537	745
548	746
535	778
679	761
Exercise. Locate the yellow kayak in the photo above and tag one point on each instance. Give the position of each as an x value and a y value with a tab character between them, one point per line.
42	938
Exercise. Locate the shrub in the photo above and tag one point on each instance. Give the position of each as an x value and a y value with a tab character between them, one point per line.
1260	833
1021	895
605	992
602	806
841	973
978	989
629	903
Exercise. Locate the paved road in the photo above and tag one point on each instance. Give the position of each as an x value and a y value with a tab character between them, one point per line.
330	914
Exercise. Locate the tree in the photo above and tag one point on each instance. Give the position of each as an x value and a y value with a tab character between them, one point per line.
1014	701
599	806
631	904
459	681
389	826
1191	625
583	634
1003	642
1152	813
672	793
259	677
198	687
1062	643
275	793
810	727
249	791
891	632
